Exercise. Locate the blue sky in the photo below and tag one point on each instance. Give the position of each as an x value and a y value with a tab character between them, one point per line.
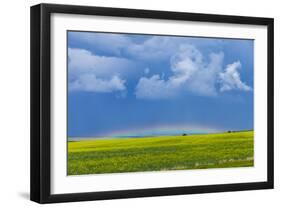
128	84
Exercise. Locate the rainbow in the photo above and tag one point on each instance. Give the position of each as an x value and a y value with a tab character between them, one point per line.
161	130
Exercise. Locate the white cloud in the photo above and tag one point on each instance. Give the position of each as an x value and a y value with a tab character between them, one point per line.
205	80
230	78
89	72
156	47
154	88
185	64
89	82
83	61
150	48
190	70
189	73
112	43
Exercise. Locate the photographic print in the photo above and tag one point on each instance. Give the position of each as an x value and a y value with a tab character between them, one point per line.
148	102
129	103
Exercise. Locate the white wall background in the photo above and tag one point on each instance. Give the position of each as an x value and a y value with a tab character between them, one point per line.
14	102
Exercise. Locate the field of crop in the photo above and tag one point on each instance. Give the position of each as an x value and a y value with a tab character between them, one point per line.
234	149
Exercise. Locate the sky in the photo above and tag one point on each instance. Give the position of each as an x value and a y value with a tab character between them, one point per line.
133	84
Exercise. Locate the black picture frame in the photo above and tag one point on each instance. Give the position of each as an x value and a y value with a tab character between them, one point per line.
41	98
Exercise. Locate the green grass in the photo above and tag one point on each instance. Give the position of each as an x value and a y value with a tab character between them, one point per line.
161	153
